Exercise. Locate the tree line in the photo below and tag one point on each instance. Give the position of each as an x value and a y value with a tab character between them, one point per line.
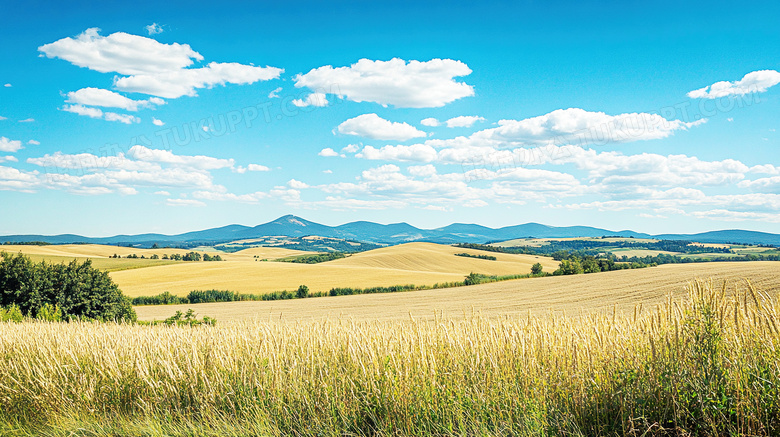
67	291
189	256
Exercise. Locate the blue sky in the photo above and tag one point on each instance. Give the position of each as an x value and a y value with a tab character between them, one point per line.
174	117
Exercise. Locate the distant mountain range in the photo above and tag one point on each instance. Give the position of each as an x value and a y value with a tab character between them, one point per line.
396	233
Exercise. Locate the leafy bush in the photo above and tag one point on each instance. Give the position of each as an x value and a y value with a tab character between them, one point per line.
74	290
314	259
165	298
198	296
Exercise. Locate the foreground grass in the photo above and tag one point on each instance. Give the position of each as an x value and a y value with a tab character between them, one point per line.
708	365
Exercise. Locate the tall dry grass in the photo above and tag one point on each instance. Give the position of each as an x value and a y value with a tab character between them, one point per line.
707	365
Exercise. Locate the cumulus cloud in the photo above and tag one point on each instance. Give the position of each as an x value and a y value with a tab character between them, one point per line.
351	148
754	82
142	153
298	185
83	110
395	82
584	127
8	145
328	152
121	53
157	122
184	82
376	127
122	118
224	196
313	99
415	152
275	93
154	29
151	67
257	167
184	202
18	180
463	121
432	122
98	113
34	143
8	85
109	99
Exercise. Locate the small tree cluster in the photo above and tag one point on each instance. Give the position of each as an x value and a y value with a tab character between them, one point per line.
74	290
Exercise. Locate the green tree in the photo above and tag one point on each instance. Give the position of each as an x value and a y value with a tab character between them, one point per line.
303	292
536	269
75	289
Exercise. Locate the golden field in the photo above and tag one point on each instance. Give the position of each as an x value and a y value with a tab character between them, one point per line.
569	294
245	272
413	263
702	364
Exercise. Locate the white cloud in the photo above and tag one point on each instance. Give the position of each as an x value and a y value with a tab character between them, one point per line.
9	158
17	180
754	82
328	171
395	82
34	143
421	170
98	113
432	122
87	162
415	152
184	202
375	127
151	67
763	185
313	99
27	120
121	53
222	196
257	167
328	152
8	85
154	29
463	121
200	162
298	185
83	110
584	127
162	193
8	145
3	118
351	148
275	93
122	118
183	82
157	122
109	99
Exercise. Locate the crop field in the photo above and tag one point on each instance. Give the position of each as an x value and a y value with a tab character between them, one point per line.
570	294
702	362
414	263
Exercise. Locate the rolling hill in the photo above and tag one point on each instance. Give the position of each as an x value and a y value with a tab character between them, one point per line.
396	233
623	289
414	263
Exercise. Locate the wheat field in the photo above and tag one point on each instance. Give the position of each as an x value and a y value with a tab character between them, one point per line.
414	263
705	363
569	294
